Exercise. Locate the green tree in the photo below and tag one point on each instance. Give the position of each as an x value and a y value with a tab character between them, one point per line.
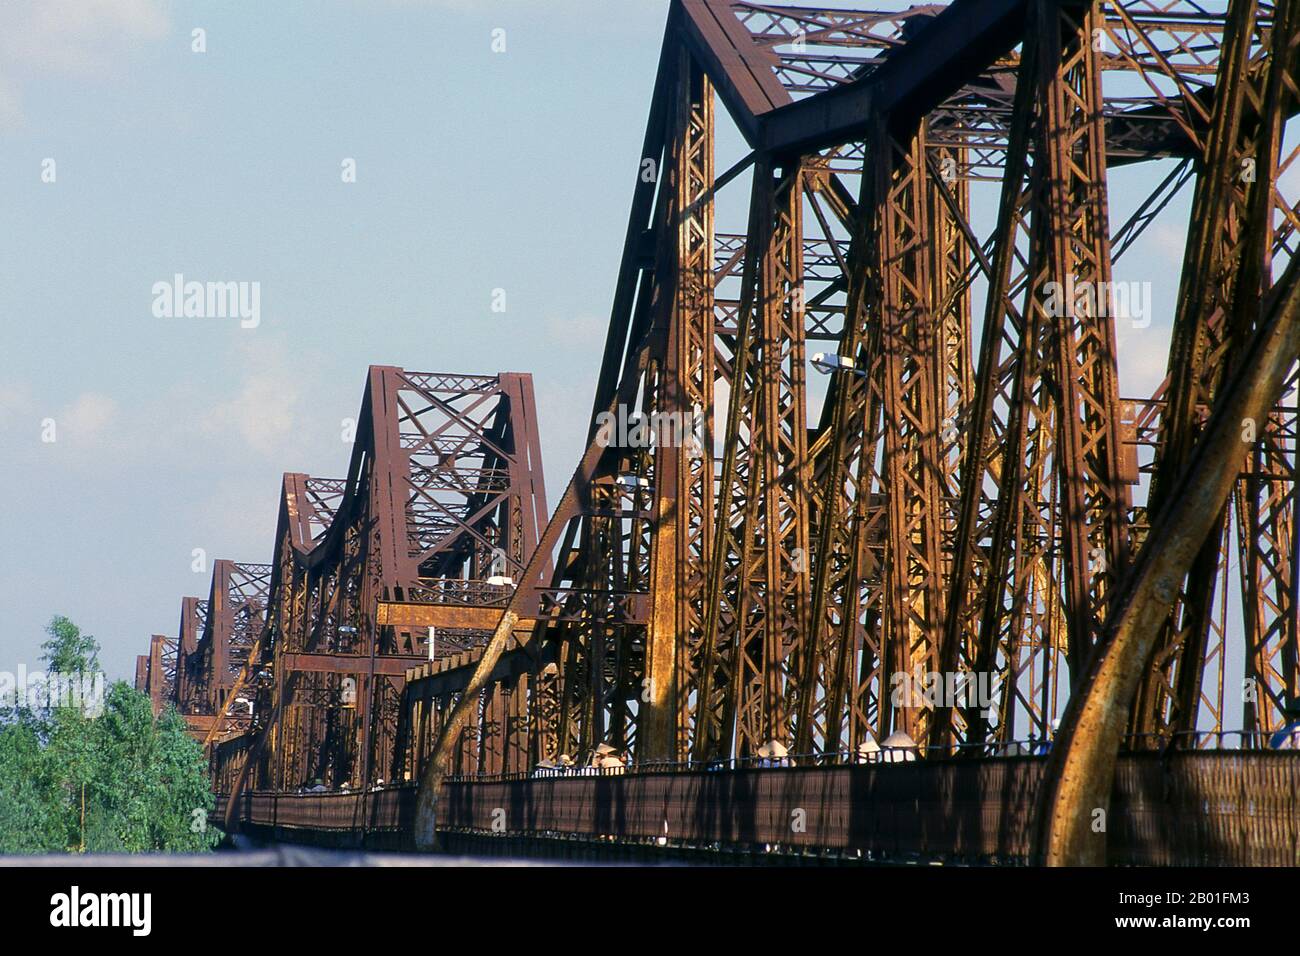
108	779
68	651
30	800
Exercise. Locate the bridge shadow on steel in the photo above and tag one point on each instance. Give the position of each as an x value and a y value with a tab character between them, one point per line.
1182	809
860	475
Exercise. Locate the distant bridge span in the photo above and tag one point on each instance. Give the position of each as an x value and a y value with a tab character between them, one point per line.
975	499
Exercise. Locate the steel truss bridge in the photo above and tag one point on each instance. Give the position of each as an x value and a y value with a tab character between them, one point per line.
699	649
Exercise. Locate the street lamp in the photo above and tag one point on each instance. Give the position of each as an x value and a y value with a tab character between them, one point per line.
826	364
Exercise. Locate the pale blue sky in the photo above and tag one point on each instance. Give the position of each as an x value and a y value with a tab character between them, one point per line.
476	170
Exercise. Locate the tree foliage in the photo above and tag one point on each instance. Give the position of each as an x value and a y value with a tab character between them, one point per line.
68	651
116	780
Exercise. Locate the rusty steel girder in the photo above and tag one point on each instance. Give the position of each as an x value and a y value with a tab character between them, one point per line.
394	565
965	500
216	636
155	672
293	672
750	554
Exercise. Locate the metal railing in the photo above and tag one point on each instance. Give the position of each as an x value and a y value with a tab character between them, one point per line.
1179	807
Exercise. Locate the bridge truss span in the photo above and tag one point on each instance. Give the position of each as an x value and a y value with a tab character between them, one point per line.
868	442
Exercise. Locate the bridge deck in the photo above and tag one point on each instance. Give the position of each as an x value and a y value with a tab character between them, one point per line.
1222	807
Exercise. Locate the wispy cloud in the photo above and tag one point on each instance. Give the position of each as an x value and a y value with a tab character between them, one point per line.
15	406
1170	242
88	419
265	406
61	38
587	328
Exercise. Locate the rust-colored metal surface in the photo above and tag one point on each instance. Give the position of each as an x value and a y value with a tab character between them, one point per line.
155	672
866	431
1184	810
292	673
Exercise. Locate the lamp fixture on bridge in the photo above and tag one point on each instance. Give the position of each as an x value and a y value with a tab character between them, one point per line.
828	363
632	481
